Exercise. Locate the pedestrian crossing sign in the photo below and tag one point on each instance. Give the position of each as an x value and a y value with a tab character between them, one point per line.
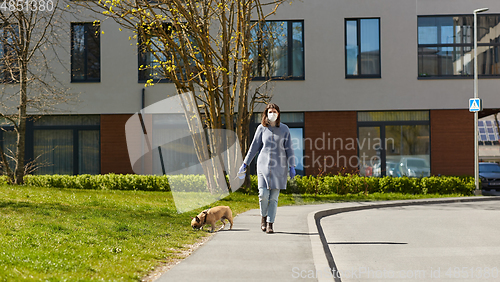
475	105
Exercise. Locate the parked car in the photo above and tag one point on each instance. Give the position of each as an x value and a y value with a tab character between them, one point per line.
489	173
392	169
414	167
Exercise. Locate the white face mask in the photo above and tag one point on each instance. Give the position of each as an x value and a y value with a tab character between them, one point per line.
272	116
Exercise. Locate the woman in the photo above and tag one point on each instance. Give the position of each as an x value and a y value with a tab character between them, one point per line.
272	140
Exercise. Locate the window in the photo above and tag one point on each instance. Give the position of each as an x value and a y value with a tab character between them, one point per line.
62	144
183	159
152	54
362	48
446	46
9	71
394	143
277	50
67	144
8	138
85	52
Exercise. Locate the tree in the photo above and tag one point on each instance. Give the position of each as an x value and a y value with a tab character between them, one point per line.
204	47
30	87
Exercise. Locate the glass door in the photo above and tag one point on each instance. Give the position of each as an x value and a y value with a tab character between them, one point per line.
408	150
370	151
297	135
395	143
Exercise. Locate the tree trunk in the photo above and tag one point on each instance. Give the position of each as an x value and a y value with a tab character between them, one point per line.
23	100
21	134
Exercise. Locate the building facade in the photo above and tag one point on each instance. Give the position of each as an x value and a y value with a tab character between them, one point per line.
375	87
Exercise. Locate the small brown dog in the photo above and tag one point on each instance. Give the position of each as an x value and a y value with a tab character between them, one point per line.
211	216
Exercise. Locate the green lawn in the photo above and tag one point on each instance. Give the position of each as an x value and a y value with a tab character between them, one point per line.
83	235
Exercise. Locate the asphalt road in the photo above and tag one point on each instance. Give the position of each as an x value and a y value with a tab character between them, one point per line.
439	242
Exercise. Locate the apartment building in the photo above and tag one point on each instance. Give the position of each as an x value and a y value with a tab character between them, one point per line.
379	87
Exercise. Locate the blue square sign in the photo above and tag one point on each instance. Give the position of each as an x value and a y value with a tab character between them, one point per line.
475	105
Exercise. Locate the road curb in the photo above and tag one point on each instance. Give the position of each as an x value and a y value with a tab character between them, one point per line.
326	270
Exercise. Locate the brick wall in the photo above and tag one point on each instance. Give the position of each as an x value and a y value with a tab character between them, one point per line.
329	142
114	153
328	138
452	142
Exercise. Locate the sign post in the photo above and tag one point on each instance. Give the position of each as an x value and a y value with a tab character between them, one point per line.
475	105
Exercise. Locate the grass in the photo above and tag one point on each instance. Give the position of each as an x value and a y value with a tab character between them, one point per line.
87	235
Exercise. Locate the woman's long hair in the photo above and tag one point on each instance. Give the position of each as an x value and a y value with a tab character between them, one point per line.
265	121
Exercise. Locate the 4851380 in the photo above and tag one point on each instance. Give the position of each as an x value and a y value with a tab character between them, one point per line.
27	5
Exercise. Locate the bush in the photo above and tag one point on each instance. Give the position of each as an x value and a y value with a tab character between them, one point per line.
320	185
355	184
103	182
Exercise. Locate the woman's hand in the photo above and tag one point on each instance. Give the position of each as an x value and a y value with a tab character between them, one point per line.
242	171
292	172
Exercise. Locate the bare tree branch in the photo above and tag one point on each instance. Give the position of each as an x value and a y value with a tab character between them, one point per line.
32	86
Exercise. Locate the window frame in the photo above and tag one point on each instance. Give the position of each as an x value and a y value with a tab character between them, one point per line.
141	54
75	129
289	53
85	60
5	77
358	38
32	126
454	45
383	123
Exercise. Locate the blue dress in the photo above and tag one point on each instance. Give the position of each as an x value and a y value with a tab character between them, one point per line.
274	145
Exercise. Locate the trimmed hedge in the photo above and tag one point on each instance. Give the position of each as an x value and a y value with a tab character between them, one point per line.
354	184
100	182
322	185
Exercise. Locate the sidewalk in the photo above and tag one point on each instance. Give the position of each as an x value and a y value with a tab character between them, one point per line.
293	253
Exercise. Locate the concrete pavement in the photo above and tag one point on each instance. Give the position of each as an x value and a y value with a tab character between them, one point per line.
428	242
297	251
248	254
